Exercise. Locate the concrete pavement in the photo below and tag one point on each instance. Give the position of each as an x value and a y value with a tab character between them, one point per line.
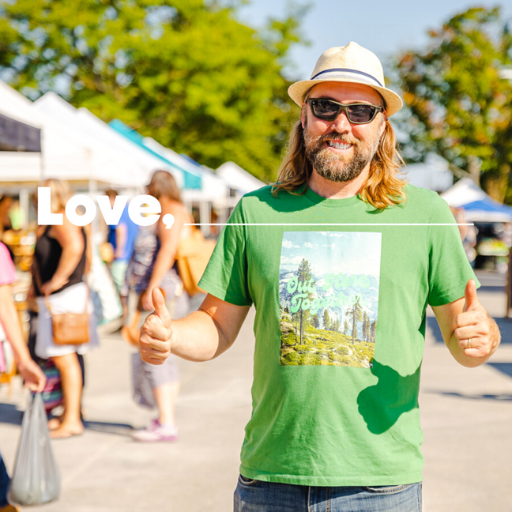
466	418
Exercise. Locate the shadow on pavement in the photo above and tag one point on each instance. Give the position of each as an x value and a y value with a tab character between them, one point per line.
504	397
10	414
119	429
505	368
504	325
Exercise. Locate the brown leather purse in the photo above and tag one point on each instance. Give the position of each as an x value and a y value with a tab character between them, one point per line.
193	255
68	328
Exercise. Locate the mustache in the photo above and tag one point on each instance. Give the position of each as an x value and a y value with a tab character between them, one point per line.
338	138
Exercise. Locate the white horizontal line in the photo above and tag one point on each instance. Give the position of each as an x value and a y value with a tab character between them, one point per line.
322	224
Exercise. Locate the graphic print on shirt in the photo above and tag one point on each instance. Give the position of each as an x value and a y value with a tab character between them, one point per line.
329	297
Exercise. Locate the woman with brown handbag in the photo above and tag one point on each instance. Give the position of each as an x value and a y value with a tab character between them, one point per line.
61	259
153	265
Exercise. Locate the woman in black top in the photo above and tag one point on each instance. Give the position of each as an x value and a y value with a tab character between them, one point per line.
60	261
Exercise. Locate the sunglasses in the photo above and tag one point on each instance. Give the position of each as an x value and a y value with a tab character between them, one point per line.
357	113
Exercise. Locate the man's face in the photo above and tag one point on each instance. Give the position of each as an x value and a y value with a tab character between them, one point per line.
359	142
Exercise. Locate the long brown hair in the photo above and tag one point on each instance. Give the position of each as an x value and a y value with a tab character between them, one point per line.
61	193
382	188
163	184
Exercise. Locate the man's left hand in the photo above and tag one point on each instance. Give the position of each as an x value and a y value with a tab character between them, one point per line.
476	332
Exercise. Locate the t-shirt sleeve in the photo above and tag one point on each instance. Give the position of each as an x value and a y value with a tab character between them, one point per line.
449	268
7	270
225	276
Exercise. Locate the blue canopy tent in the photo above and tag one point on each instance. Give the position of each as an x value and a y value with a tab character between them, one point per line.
202	188
192	180
489	209
478	206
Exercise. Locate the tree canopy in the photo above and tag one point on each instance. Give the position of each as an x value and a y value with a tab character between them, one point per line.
458	104
184	72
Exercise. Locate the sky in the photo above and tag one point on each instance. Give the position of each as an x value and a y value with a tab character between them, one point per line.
332	252
385	27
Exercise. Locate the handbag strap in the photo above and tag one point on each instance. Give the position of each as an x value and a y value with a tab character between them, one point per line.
47	304
37	277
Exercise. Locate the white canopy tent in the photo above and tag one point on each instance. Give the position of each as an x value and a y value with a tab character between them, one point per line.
205	189
58	152
478	206
113	160
433	174
238	179
60	155
213	188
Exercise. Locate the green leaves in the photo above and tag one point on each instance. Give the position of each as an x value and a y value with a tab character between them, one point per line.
184	72
458	105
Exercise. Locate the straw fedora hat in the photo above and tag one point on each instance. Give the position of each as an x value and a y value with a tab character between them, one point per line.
351	63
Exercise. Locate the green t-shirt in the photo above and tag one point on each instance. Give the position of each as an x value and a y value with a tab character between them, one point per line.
340	328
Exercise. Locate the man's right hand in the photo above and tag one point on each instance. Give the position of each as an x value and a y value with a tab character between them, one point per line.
156	333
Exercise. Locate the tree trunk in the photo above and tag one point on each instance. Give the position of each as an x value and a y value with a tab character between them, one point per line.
474	169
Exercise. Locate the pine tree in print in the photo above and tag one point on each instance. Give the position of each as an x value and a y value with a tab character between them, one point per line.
372	331
356	315
296	325
366	327
305	284
346	328
326	320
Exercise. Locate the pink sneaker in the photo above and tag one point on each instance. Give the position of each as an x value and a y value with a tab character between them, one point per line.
155	432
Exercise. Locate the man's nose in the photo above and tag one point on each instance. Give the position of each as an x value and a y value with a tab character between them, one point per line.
341	124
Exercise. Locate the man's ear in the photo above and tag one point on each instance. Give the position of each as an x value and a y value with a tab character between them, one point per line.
303	116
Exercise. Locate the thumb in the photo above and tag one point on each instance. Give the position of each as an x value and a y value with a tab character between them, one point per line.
160	308
470	296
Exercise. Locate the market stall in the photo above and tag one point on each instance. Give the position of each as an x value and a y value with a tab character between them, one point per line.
492	219
203	189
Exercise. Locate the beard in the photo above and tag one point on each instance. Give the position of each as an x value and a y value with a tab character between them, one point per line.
336	167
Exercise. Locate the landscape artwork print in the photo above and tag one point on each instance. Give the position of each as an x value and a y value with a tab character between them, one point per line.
329	298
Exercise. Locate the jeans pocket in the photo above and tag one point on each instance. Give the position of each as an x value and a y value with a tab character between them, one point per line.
247	481
388	489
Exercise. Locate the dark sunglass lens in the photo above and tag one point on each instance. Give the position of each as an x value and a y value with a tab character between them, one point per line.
325	109
361	113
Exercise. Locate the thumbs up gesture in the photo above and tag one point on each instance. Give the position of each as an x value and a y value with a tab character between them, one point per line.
156	333
477	333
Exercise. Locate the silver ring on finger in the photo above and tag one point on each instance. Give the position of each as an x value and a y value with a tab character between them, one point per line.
469	343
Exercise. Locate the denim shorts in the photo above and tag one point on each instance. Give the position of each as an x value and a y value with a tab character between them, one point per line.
258	496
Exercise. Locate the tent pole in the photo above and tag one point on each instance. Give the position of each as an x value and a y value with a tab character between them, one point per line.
24	207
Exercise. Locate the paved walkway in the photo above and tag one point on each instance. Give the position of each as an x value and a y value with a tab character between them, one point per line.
466	418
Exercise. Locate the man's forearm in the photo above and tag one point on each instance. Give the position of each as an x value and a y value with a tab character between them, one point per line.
197	337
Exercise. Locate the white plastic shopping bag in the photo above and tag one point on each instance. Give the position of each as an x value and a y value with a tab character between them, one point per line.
36	476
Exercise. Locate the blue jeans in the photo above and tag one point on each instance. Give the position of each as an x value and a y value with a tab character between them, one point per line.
4	483
257	496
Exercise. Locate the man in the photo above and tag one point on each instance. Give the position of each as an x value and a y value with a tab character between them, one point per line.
340	319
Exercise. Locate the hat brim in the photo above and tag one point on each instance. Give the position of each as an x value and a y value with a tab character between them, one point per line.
298	90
